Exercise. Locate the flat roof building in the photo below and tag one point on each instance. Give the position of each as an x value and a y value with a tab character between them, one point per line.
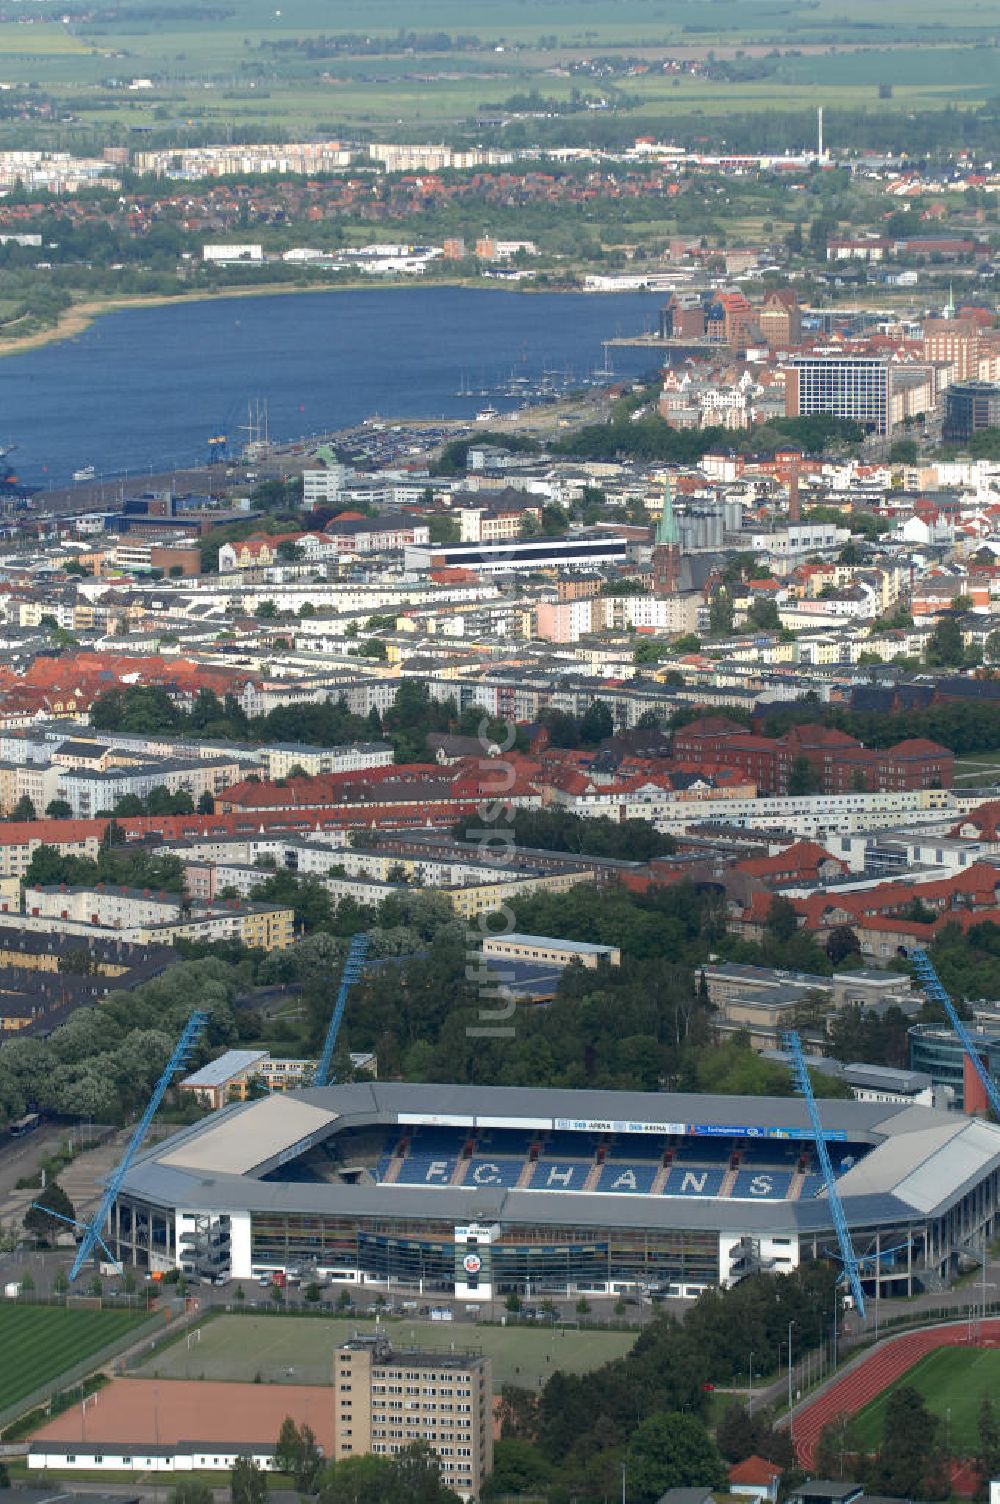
386	1400
518	947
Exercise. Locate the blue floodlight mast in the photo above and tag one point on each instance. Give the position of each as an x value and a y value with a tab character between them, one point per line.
847	1255
931	983
353	967
93	1233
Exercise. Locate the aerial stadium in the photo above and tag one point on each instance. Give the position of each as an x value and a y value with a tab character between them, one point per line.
479	1191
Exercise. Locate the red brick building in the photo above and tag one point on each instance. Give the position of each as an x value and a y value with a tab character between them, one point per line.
839	763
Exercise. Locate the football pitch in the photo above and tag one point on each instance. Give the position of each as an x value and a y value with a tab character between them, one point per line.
38	1343
952	1382
299	1350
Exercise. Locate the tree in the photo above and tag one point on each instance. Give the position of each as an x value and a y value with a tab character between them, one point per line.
442	528
597	724
418	1474
910	1463
519	1468
190	1491
720	614
838	1450
298	1454
40	1223
206	804
782	921
288	1447
23	809
802	777
763	615
672	1451
841	943
740	1435
988	1449
517	1412
58	809
247	1484
945	648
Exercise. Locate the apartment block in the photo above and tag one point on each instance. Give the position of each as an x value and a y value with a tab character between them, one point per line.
386	1400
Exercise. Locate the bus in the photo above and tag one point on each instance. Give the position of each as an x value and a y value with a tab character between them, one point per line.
24	1125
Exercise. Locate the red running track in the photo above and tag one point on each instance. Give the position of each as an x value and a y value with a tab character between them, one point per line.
866	1382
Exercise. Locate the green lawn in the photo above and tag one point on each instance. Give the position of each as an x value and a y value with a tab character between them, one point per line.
38	1343
981	767
952	1381
241	1347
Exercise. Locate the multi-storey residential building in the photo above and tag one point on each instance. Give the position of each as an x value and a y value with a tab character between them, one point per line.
279	760
144	917
837	762
91	791
385	1400
955	343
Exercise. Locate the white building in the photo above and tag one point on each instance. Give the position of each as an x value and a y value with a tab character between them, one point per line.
224	254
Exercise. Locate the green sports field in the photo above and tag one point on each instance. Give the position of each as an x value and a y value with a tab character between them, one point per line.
952	1381
38	1343
299	1350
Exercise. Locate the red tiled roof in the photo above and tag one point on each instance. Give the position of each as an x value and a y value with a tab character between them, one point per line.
754	1470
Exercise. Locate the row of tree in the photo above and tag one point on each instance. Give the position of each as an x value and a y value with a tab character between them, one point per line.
646	1411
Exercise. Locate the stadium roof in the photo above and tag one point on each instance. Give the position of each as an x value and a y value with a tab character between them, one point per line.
920	1162
217	1072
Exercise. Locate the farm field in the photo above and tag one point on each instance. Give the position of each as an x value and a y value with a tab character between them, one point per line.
952	1381
299	1349
39	1343
284	69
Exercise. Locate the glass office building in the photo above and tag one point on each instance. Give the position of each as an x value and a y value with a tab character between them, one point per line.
855	387
938	1052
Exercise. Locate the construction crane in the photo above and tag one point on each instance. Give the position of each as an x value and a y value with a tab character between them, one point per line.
93	1231
353	967
931	983
848	1257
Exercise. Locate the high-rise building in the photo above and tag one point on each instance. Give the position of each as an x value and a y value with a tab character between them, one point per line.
970	406
388	1399
855	387
955	343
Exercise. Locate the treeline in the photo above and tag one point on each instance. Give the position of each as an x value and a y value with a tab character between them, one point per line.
928	133
652	1404
650	437
147	710
964	727
423	1005
561	830
118	865
102	1064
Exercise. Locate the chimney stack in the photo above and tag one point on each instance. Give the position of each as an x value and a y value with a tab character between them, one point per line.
794	504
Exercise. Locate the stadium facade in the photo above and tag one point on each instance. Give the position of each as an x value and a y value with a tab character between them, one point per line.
477	1191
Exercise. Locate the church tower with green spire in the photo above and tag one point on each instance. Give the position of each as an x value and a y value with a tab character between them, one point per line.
666	549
